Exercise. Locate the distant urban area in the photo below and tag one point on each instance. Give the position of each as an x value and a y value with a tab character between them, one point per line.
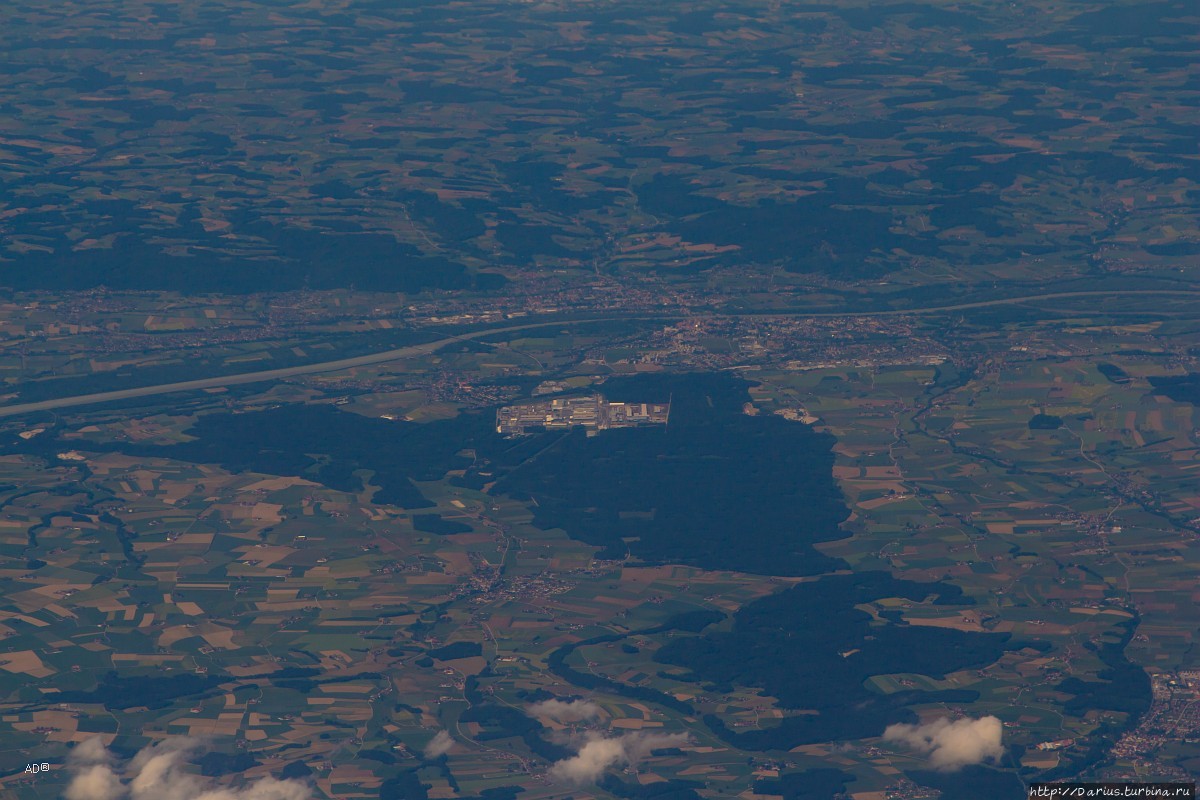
593	412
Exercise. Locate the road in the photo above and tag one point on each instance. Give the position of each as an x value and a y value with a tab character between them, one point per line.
261	376
1003	301
429	347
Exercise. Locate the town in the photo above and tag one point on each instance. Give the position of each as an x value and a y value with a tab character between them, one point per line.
592	412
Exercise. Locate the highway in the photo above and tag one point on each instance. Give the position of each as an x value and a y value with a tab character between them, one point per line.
261	376
1003	301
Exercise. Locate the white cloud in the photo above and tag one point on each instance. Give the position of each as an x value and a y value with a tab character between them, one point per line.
157	773
952	744
439	745
598	753
641	745
90	751
565	712
96	782
594	757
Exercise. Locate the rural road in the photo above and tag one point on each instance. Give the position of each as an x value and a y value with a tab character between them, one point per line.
1003	301
262	375
429	347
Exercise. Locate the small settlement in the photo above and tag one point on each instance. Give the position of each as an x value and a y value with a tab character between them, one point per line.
593	412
